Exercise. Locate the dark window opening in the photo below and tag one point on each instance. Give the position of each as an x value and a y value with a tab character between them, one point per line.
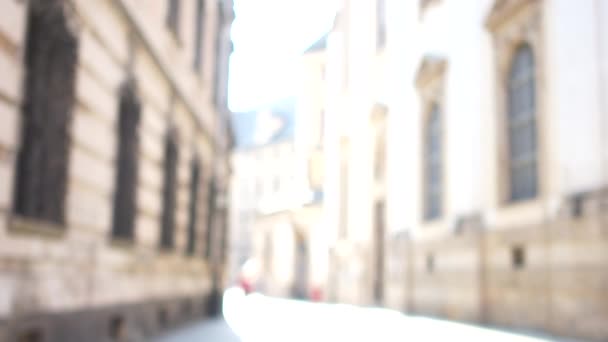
433	166
193	212
186	308
31	335
163	318
380	23
173	13
199	35
210	220
522	126
343	232
430	263
578	205
219	53
51	56
380	159
379	249
117	328
125	205
224	239
169	192
518	257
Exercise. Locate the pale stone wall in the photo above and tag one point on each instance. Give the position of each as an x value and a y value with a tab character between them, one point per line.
79	267
472	276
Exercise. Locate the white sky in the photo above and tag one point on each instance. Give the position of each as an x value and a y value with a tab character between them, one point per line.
269	36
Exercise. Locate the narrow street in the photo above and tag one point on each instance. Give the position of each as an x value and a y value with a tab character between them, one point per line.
256	318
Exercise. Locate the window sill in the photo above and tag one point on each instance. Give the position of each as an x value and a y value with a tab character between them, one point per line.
175	37
519	213
166	250
27	226
122	242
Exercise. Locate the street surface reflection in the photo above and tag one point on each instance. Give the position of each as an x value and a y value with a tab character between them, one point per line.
257	318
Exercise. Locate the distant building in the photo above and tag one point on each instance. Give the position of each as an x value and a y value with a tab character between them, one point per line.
263	183
114	168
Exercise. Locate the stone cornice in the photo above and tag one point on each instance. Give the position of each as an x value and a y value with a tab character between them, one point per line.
425	4
431	67
504	9
163	65
379	111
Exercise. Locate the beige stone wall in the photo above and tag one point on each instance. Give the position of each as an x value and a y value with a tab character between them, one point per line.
78	266
560	289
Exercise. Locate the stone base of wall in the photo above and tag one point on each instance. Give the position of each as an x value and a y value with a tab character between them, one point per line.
550	278
140	320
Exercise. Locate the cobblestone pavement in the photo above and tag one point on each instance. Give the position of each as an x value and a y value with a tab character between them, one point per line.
256	318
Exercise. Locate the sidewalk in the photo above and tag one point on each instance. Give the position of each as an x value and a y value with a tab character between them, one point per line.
216	330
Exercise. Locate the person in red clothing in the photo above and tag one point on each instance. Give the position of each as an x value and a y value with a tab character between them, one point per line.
315	294
245	285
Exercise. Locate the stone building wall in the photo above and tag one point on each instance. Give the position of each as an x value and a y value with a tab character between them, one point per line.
558	285
538	264
68	283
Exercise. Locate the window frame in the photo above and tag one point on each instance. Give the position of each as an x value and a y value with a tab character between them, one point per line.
511	25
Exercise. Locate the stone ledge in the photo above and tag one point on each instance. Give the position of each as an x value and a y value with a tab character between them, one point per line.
27	226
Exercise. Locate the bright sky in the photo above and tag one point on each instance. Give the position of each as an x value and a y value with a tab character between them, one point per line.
269	37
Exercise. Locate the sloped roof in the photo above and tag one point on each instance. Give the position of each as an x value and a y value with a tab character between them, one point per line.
319	45
265	126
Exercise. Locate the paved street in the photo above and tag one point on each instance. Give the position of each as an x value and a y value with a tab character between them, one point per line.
256	318
214	330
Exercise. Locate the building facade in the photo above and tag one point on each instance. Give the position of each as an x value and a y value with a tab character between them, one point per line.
494	115
263	188
354	209
114	171
279	244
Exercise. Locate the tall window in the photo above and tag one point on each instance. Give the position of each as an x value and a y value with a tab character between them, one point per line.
380	159
219	53
127	163
379	250
343	229
195	171
380	23
522	126
173	15
169	192
51	56
199	33
210	220
432	165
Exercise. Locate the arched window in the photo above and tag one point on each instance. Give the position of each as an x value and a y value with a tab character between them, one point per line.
432	165
521	110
